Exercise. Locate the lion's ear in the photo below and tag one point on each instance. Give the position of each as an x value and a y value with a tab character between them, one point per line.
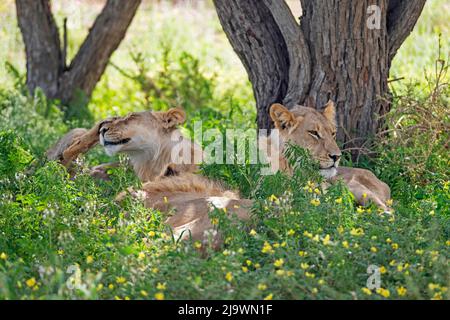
172	118
330	112
282	117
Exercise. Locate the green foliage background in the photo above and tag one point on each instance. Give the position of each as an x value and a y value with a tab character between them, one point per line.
67	238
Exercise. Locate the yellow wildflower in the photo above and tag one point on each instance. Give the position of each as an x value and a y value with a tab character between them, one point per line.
392	263
315	202
304	266
89	259
367	291
394	246
278	263
419	252
383	292
161	286
31	282
317	191
244	269
388	240
340	229
383	270
159	296
110	286
269	297
357	232
345	244
280	272
3	256
308	234
229	276
60	252
262	286
257	266
389	202
267	248
309	275
141	255
120	280
152	233
326	240
373	249
252	232
155	270
360	210
302	253
291	232
338	200
248	262
401	291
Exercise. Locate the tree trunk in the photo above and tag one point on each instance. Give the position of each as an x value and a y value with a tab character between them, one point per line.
331	54
46	67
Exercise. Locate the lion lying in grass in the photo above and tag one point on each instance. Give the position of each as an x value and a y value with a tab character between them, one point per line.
147	138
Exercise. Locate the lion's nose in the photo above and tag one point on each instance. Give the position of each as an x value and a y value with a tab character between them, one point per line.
335	157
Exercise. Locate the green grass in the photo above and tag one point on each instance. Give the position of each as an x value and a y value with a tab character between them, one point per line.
67	238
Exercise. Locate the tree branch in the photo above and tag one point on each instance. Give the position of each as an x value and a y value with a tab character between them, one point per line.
299	57
401	19
105	36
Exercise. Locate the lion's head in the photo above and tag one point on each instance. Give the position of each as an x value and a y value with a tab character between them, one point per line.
148	138
311	130
139	131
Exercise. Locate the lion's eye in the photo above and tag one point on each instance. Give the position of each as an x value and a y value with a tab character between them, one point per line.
314	133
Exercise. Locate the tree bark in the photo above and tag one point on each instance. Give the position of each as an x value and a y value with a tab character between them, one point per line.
46	67
331	54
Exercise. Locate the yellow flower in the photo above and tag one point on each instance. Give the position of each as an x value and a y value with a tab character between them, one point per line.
262	286
248	262
257	266
326	240
280	272
394	246
338	200
278	263
357	232
89	259
302	253
345	244
31	282
111	286
111	231
226	252
155	270
120	280
448	242
99	287
389	202
252	232
60	252
321	282
340	229
214	221
392	263
316	191
314	290
3	256
269	297
144	293
304	266
159	296
267	248
315	202
273	198
197	244
383	270
401	291
419	252
366	291
373	249
433	286
309	275
152	234
437	296
161	286
244	269
291	232
364	195
383	292
360	210
388	240
316	238
308	234
229	276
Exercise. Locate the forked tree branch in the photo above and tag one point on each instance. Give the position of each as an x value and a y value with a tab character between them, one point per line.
401	19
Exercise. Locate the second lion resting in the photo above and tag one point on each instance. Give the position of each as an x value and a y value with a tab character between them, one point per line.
188	198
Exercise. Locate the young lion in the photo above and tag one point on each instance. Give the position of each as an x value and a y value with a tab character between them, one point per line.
316	132
148	138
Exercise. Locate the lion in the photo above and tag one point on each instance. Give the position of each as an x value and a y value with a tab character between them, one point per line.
148	138
316	132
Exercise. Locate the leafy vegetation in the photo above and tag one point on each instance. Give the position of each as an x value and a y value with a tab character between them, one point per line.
63	237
